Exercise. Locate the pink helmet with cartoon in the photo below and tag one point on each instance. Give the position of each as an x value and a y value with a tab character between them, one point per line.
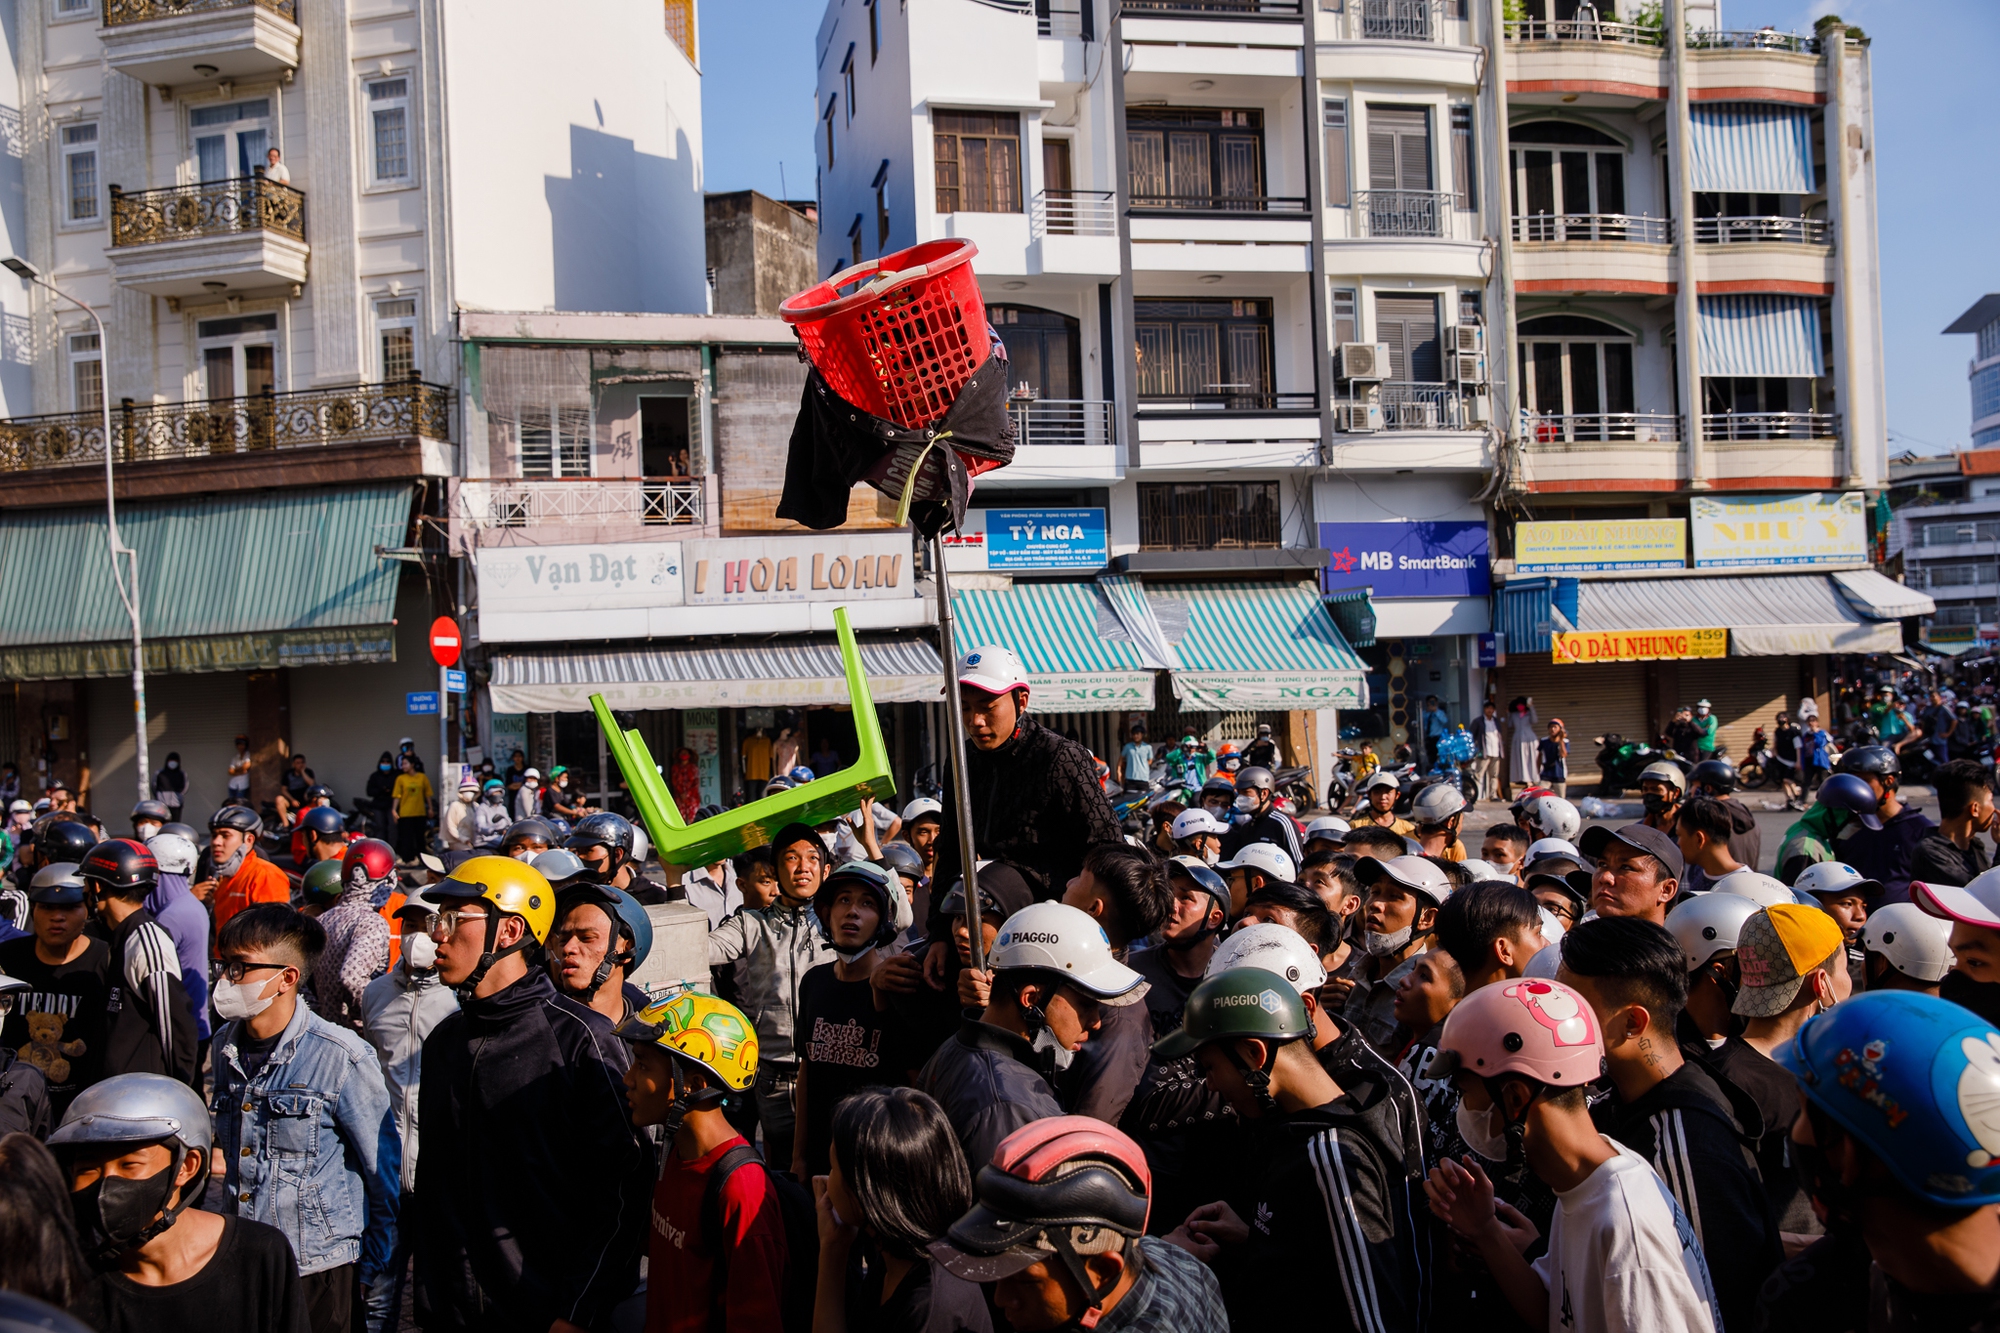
1539	1029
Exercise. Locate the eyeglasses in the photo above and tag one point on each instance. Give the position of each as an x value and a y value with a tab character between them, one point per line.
443	925
235	969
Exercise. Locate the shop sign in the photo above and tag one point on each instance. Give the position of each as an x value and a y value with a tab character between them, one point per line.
1004	539
1561	547
608	577
700	733
1232	693
1083	692
829	567
1407	559
510	733
1817	528
1492	650
1638	645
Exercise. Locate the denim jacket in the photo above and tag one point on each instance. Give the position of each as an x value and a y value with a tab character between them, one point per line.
310	1144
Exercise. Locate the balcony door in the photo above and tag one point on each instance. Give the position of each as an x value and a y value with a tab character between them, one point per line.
1564	180
230	139
1044	351
1195	157
1576	375
1207	353
239	356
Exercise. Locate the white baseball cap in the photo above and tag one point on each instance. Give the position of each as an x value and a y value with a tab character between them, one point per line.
1916	943
1056	937
992	668
1196	820
1264	857
1977	904
1328	826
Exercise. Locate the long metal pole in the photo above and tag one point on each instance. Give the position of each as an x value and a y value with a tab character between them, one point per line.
961	791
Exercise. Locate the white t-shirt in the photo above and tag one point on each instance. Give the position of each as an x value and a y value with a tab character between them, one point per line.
1622	1257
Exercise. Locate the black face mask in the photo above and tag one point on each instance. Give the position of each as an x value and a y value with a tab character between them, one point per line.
115	1214
1657	805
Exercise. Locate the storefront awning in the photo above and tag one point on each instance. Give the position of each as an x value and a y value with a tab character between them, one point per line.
1767	615
1773	337
1751	148
1879	597
785	673
227	583
1053	628
1261	646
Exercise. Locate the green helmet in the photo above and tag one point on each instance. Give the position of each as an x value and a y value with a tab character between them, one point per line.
321	882
1244	1002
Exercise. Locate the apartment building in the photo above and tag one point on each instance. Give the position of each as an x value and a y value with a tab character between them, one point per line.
279	210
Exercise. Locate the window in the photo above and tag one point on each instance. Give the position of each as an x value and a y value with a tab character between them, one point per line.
67	7
681	28
1219	351
854	241
1989	341
1044	349
1471	306
831	102
396	326
1566	179
1400	202
847	81
238	355
1409	325
230	138
1577	370
1333	115
1207	516
1346	327
1464	171
389	116
874	30
978	161
86	371
79	147
1195	157
555	441
882	207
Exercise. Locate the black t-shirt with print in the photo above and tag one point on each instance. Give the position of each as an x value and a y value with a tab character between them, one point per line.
844	1044
58	1024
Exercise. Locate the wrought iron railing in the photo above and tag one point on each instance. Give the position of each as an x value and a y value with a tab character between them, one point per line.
528	502
143	11
1763	39
1557	431
157	432
1059	18
1215	203
1581	30
1073	213
1593	227
217	208
1060	421
1403	212
1230	398
1221	9
1735	427
1784	231
1414	405
1398	20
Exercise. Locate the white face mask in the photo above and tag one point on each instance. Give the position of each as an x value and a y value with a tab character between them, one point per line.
1378	945
1045	1040
1475	1128
420	951
146	831
1246	802
1212	856
173	763
239	999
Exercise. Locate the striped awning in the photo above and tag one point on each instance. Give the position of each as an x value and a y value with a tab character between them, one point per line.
1751	148
1053	629
761	673
1528	611
1760	336
1878	597
1767	615
1261	646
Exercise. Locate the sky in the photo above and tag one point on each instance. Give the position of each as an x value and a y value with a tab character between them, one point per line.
1937	188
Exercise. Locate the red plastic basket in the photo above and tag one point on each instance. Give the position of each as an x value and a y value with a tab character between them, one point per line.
905	341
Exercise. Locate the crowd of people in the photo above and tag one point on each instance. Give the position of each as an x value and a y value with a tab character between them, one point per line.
1223	1069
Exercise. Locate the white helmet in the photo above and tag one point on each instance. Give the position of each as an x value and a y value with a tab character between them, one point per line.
1415	873
1328	826
1266	858
1709	923
176	855
1835	877
1484	872
1759	889
1274	948
1542	847
1195	820
1913	941
1665	772
1437	803
923	805
1056	937
1555	817
1381	777
1545	960
993	668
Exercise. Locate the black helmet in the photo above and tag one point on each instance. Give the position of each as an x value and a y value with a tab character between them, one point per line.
526	831
1870	761
604	829
1717	775
239	817
64	840
319	791
121	865
1219	784
324	822
57	884
153	810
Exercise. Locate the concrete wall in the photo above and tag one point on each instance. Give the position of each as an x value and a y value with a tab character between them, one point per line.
760	250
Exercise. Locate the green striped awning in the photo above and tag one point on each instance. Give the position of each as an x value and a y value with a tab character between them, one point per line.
227	583
1262	646
1052	628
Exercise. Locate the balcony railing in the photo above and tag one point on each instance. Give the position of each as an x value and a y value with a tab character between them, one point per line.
1585	431
156	432
1061	421
1215	203
1403	212
218	208
1230	398
1415	405
1213	9
527	502
1958	534
1058	18
1953	576
141	11
1073	213
1763	39
1784	231
1581	30
1733	427
1399	20
1594	227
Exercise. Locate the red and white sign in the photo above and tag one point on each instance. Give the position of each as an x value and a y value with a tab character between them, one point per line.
444	641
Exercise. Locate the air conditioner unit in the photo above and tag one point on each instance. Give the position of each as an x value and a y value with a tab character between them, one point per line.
1479	409
1466	368
1357	418
1364	361
1468	338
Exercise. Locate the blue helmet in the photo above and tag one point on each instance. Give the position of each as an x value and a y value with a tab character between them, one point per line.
1916	1080
800	776
1844	791
631	918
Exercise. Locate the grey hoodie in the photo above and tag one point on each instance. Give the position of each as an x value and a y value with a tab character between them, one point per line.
398	1010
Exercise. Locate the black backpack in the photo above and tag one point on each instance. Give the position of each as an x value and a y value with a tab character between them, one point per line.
801	1221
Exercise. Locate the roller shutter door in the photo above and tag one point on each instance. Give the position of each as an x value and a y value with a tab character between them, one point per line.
1745	692
1591	700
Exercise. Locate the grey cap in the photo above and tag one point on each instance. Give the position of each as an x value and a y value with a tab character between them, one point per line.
136	1108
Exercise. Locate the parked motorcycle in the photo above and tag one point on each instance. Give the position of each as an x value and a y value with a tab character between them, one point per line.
1619	763
1751	773
1295	785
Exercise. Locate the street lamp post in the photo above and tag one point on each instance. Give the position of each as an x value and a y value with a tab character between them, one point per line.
27	272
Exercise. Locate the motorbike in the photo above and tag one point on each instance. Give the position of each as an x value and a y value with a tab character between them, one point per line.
1619	763
1750	774
1295	785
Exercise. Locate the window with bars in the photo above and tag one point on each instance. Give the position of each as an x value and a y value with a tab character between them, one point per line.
79	146
1333	114
1464	161
396	325
1346	320
1206	516
1205	349
1194	157
978	155
86	371
555	441
389	115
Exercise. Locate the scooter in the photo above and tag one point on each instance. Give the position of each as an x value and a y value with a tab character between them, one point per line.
1295	785
1619	763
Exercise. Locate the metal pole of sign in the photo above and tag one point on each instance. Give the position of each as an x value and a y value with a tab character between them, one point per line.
955	724
444	730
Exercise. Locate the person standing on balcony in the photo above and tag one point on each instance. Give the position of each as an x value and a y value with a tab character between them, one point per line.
274	168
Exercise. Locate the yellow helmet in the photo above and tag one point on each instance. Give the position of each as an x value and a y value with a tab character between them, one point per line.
511	886
713	1033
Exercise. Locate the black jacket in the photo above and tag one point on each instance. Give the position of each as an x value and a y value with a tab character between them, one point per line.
1886	854
533	1195
1938	860
1103	1076
1270	827
151	1025
24	1097
1036	804
989	1083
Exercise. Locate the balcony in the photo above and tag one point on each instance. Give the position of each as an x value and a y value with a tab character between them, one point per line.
163	41
1217	205
1581	30
586	501
1407	406
1959	580
1231	398
1061	422
1559	228
1777	231
1761	39
163	432
1218	9
246	234
1729	428
1583	432
1400	20
1405	214
1058	18
1072	213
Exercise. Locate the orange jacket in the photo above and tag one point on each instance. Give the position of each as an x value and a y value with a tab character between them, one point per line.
255	881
